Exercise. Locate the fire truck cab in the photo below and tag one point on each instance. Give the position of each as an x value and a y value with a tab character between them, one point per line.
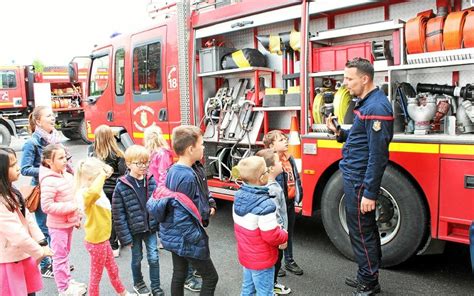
201	64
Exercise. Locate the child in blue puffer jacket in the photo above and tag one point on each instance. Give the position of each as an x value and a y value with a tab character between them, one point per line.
181	208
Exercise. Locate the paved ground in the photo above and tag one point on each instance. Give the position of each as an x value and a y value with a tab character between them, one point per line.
325	268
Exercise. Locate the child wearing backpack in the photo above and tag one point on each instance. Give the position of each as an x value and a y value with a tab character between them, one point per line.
181	208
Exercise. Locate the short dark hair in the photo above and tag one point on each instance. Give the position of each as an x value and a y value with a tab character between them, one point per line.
185	136
362	65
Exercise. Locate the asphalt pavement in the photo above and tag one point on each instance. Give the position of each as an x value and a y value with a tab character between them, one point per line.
324	267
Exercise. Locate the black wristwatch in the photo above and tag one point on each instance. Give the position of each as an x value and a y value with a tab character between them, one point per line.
43	242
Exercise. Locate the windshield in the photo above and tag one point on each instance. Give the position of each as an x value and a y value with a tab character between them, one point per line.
99	75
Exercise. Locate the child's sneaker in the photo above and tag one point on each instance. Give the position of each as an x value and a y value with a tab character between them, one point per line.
280	289
47	272
158	292
73	290
116	252
193	284
141	289
76	283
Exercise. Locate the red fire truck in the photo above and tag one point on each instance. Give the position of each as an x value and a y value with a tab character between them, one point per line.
201	64
21	89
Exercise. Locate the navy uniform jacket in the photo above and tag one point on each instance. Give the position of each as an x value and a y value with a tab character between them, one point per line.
365	153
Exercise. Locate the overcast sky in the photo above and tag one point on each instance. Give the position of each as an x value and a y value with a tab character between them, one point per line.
54	31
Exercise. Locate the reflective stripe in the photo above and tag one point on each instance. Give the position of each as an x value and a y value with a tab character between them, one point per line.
369	117
138	135
329	144
457	149
240	59
414	147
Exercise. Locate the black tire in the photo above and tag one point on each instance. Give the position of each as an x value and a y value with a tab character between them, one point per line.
5	136
399	243
71	134
83	132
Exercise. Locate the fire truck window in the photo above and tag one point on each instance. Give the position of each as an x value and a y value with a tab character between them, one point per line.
99	75
147	68
7	79
154	61
119	73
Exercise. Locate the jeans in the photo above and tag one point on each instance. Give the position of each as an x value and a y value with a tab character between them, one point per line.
363	233
61	240
290	206
278	265
205	268
151	245
40	217
259	282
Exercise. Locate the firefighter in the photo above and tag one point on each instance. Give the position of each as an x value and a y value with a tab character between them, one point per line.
364	158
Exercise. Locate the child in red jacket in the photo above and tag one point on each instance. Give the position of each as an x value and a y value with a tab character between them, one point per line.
256	229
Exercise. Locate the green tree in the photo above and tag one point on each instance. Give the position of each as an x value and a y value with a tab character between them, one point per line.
39	66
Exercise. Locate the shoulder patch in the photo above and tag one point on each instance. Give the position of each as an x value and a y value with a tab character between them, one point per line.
377	125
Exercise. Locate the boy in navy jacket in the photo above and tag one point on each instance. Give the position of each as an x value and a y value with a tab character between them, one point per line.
188	144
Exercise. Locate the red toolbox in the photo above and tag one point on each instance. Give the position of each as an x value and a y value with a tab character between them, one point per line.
334	58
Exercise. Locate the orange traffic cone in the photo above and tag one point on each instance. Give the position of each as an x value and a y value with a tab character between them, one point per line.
294	143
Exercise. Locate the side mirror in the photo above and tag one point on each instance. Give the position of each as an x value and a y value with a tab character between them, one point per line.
73	72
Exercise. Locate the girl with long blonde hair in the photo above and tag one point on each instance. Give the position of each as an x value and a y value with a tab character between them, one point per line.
105	148
90	178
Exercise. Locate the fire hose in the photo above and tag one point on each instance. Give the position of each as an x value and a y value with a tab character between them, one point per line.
468	31
415	30
465	92
434	34
453	30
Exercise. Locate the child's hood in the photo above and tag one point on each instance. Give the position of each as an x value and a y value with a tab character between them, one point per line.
251	199
45	172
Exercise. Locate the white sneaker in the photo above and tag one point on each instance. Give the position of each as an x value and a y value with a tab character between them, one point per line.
280	289
76	283
116	252
73	290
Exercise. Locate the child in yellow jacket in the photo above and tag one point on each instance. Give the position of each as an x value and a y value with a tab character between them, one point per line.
90	178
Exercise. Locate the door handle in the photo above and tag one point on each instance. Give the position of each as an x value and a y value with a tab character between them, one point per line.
110	116
163	115
469	182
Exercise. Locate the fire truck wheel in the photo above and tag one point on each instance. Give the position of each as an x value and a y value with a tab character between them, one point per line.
71	134
402	217
5	136
83	132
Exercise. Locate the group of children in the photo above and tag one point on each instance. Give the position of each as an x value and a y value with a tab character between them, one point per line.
264	216
127	197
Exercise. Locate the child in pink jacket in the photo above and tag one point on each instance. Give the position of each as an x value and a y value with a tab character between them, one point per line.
58	202
20	250
161	157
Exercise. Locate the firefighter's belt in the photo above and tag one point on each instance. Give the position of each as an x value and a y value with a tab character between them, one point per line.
468	31
415	30
434	34
453	30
